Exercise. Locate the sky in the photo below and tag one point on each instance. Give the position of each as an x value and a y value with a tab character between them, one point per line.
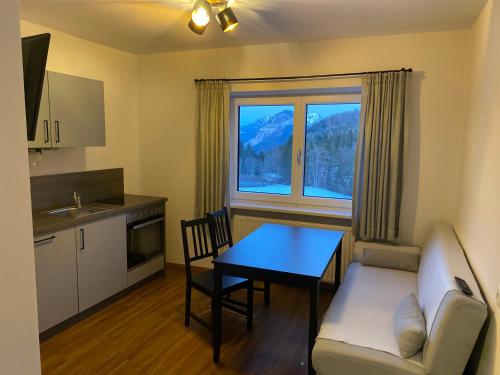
251	113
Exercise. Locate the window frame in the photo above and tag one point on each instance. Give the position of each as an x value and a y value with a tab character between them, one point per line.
296	199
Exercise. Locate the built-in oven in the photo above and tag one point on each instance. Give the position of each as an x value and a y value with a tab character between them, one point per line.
145	235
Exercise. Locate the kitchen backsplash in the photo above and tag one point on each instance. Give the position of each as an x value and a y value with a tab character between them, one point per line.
56	190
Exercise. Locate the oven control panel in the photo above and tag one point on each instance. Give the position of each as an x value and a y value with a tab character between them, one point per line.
142	213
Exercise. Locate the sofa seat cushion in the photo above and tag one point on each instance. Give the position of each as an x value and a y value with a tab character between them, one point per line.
362	311
337	358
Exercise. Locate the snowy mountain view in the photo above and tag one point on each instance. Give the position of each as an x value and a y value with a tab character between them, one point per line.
265	149
266	133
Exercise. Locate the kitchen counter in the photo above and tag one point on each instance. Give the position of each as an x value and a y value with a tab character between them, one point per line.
44	223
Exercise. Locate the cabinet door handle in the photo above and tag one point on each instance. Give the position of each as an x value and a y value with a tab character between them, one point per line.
82	239
43	240
58	136
299	156
46	131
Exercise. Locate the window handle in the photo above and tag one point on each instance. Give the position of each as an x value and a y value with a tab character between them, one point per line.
299	156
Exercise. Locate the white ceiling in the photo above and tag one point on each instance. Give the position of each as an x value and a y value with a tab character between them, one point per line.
159	26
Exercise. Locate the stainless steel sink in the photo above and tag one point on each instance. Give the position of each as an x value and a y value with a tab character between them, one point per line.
77	212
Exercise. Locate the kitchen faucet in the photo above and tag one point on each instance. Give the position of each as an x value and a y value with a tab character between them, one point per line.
78	202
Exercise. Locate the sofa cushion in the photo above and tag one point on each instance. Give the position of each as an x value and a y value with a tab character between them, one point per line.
409	326
395	250
405	258
331	357
362	311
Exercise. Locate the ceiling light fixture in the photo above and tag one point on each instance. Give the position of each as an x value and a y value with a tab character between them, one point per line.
227	19
200	16
196	28
201	13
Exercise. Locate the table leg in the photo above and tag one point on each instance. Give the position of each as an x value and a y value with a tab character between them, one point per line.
267	293
313	321
250	305
338	266
216	315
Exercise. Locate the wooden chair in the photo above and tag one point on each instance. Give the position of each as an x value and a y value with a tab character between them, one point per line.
200	247
220	228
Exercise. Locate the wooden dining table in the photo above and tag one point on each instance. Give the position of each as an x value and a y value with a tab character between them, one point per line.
281	254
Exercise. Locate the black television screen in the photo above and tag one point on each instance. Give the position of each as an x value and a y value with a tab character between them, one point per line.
35	49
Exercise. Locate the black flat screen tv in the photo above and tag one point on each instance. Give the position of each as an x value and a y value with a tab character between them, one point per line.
35	49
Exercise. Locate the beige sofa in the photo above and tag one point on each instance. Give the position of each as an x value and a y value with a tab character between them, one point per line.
357	334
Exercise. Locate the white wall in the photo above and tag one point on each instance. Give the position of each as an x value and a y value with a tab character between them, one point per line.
119	71
19	350
478	215
167	113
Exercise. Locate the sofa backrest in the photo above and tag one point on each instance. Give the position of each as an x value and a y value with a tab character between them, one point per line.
453	320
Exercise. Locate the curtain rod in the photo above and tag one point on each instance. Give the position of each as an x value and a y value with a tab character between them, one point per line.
286	78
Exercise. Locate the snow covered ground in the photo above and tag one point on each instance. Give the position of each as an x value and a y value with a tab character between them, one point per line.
309	191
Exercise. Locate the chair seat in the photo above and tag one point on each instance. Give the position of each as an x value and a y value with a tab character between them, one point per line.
205	280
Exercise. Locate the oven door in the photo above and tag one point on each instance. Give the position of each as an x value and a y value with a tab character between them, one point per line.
145	240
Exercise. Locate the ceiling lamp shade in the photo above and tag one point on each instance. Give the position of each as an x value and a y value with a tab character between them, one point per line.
227	19
201	13
197	29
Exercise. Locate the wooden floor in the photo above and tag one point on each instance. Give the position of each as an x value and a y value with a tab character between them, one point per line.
144	333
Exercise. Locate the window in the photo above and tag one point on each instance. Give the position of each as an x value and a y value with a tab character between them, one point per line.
265	149
330	144
295	151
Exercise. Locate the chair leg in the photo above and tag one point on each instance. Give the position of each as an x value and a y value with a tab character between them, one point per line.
249	305
188	306
267	293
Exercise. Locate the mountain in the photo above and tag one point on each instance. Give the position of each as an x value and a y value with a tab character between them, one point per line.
249	131
312	118
268	132
274	130
339	121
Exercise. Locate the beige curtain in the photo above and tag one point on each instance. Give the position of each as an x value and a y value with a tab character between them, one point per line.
213	145
379	157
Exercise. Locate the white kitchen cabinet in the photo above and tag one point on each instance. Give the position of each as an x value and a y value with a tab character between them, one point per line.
101	259
76	111
56	278
71	113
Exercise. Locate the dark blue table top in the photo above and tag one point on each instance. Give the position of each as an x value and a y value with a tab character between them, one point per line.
283	248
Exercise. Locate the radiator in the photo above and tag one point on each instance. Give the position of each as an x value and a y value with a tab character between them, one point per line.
244	225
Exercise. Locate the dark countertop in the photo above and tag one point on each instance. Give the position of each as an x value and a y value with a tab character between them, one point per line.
44	223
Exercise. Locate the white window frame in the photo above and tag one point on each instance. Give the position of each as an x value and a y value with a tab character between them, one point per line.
296	199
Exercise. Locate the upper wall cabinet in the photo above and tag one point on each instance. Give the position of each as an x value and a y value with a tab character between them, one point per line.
71	113
43	138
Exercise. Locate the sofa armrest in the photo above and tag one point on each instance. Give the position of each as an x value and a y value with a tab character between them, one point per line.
405	258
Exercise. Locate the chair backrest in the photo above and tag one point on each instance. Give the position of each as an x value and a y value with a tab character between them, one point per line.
196	242
220	229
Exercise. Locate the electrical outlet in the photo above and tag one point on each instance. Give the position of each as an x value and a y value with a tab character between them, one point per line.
498	296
